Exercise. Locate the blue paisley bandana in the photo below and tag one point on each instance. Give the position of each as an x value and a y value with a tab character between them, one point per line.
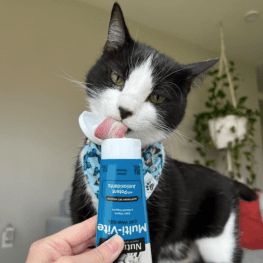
152	161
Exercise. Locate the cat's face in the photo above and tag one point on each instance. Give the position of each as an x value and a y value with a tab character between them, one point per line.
137	85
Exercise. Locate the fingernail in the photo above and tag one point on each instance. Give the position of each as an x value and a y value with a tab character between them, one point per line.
115	243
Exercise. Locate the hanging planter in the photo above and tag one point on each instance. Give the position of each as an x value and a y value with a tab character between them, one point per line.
227	123
227	129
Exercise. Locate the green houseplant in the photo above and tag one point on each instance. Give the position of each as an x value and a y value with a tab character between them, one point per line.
218	106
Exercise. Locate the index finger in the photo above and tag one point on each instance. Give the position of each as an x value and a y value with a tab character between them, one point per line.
79	233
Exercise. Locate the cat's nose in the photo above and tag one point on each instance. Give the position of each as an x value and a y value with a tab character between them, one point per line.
124	113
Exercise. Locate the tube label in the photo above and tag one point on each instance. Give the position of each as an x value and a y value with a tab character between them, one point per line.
122	209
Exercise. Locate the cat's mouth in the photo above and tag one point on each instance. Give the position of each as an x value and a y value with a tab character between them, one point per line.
121	123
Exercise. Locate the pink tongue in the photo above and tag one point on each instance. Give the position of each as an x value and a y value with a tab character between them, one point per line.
110	128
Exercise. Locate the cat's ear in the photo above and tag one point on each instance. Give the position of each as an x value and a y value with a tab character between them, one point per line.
198	71
118	33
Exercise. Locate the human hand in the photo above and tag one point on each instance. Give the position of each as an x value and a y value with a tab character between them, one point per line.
71	246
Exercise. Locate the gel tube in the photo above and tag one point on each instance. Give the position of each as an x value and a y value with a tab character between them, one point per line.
122	203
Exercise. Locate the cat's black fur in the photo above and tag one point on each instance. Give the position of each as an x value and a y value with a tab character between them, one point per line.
190	201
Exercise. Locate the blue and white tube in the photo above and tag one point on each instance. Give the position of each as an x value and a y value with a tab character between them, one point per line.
122	203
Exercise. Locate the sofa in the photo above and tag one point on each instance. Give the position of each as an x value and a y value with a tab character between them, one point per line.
56	224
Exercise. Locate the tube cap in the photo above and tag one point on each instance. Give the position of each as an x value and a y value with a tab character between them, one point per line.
121	148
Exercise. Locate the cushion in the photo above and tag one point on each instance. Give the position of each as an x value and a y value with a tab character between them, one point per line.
251	224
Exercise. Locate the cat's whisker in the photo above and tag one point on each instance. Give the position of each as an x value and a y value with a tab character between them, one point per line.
131	57
105	83
164	85
167	130
160	73
119	63
192	140
74	80
177	138
170	132
178	132
83	87
172	148
79	83
84	83
137	60
162	114
176	71
177	88
138	25
71	78
163	127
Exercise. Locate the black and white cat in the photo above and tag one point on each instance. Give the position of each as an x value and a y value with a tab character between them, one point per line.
147	91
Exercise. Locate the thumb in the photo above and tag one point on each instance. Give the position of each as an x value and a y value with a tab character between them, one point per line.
106	252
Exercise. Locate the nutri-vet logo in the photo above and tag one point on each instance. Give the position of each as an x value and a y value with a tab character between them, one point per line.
131	246
123	231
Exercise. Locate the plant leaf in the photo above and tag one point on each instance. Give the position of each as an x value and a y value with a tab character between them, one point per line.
208	104
233	129
221	94
241	100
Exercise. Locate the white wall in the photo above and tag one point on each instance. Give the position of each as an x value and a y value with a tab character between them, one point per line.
39	132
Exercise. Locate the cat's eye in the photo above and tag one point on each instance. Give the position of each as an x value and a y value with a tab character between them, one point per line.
116	79
157	99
